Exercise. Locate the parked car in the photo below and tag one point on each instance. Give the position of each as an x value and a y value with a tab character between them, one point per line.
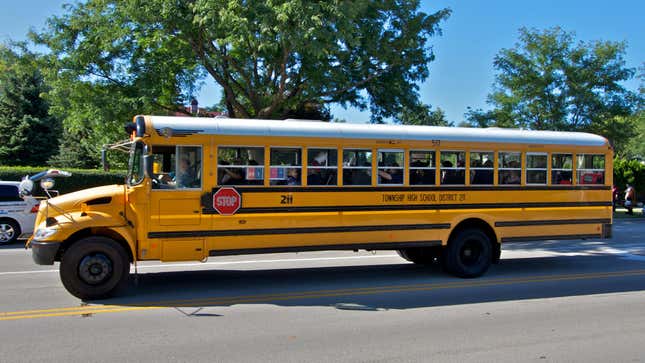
17	214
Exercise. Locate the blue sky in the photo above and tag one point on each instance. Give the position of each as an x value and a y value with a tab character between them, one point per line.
462	73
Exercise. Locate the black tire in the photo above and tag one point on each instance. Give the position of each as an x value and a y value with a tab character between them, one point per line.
468	254
9	231
95	268
421	255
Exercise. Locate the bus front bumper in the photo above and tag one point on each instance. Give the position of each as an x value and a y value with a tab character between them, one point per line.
44	253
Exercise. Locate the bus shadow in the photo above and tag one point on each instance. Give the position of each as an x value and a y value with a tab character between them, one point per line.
384	287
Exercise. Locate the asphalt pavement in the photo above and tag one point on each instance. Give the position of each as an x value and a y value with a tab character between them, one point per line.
548	301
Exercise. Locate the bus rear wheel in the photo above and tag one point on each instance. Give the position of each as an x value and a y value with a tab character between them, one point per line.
94	268
468	254
421	255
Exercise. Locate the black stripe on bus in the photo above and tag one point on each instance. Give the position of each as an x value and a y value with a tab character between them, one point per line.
552	222
365	208
306	230
544	238
471	188
356	246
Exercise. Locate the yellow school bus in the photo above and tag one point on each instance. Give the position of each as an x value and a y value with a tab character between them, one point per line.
203	187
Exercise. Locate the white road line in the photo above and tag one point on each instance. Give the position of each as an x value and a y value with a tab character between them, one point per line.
220	263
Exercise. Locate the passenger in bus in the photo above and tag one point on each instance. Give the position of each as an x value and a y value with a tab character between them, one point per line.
451	176
186	177
230	176
293	176
390	176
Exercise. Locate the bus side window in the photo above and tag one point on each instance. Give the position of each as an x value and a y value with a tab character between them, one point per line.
510	168
591	169
453	168
422	167
240	165
561	169
357	167
481	168
322	166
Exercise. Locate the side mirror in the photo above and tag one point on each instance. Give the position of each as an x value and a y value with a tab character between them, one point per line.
47	183
148	163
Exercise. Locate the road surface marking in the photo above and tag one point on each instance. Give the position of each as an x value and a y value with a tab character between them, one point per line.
267	298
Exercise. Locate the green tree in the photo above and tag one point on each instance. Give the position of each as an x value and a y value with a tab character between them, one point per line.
549	82
423	115
271	58
28	134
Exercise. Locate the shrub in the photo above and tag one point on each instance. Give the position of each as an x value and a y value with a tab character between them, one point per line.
80	179
630	172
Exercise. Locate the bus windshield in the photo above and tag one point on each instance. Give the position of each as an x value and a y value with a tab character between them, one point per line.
135	166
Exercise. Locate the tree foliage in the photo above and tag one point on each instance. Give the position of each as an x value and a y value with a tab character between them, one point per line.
271	58
423	115
549	82
28	134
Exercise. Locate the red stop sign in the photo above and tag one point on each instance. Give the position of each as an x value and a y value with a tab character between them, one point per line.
227	201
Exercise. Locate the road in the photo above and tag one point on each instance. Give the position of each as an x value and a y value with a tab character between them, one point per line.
581	301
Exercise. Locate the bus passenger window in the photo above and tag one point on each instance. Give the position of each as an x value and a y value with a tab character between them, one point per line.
453	168
561	169
536	168
591	169
510	168
176	167
481	168
422	167
240	165
322	166
390	167
357	167
286	166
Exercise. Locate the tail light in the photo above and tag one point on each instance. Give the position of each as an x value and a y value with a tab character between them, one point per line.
34	209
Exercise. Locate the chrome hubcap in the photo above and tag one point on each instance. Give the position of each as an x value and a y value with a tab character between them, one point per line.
95	269
6	232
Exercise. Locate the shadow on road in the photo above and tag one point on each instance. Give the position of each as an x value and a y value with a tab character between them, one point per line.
393	286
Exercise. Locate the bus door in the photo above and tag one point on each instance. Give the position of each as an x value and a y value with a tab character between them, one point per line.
175	206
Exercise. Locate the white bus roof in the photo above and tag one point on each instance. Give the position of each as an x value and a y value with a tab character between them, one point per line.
184	126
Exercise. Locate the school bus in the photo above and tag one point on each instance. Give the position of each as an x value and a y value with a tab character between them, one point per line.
207	187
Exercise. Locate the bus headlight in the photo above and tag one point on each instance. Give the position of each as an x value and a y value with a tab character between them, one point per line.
42	233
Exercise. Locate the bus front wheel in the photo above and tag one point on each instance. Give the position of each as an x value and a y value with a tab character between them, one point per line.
468	254
94	267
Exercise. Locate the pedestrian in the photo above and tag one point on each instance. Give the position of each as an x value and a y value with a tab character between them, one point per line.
614	197
630	194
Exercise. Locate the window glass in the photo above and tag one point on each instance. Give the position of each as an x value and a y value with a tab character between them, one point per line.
561	169
9	193
286	166
357	167
482	167
422	167
135	165
240	165
453	168
536	170
322	166
176	167
390	167
591	169
510	168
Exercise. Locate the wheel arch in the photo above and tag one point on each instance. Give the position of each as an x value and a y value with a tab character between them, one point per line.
96	231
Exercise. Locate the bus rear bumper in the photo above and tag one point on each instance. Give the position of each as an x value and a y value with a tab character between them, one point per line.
44	253
606	230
